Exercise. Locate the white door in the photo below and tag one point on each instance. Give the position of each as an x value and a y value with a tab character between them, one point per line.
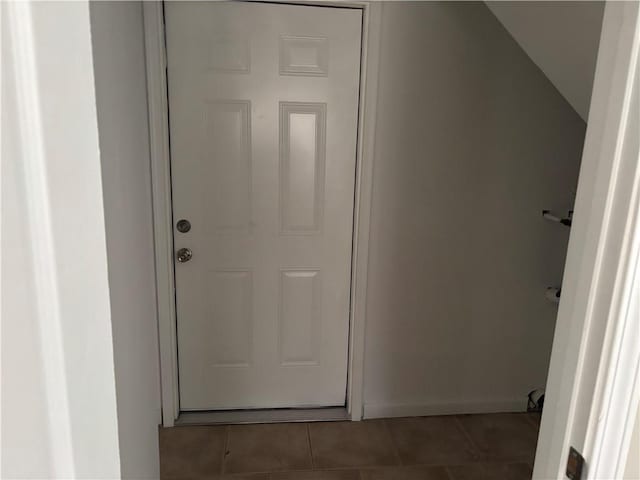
263	106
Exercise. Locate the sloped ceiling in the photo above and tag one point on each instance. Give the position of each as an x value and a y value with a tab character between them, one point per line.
562	38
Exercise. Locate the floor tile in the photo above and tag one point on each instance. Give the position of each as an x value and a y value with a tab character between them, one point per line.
351	444
431	441
405	473
241	476
191	452
267	448
534	419
513	471
318	475
502	436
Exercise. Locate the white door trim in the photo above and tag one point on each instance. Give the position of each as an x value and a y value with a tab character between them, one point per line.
162	210
58	252
590	402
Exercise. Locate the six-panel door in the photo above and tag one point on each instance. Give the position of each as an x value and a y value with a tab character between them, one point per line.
263	106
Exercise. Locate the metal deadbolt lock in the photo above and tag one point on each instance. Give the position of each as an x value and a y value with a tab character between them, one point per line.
184	255
183	225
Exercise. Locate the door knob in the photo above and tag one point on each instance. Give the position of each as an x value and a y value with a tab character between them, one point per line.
184	255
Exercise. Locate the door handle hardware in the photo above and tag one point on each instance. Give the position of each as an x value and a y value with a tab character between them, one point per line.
184	255
183	225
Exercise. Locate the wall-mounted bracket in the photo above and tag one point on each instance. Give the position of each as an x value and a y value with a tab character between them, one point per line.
553	294
564	221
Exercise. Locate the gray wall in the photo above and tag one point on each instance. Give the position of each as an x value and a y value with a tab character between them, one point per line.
472	142
562	38
119	63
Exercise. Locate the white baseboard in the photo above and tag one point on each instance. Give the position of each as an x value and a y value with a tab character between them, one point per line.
444	408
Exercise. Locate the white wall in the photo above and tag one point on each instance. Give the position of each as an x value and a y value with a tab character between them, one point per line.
58	387
472	143
561	38
119	62
27	454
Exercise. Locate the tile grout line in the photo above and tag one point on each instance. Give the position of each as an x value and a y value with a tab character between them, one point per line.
396	452
224	449
448	473
530	420
467	435
313	466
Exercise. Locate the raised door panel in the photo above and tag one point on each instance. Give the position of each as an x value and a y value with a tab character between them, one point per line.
300	317
302	147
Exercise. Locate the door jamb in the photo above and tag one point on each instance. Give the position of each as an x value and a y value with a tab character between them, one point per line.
162	210
154	34
591	402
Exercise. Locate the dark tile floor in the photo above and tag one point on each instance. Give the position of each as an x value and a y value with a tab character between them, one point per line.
457	447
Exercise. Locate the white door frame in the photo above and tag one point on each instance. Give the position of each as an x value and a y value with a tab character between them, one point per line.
58	253
593	384
162	206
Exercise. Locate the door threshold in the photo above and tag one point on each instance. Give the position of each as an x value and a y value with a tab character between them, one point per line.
271	415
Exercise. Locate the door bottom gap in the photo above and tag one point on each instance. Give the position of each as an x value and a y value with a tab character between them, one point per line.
270	415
